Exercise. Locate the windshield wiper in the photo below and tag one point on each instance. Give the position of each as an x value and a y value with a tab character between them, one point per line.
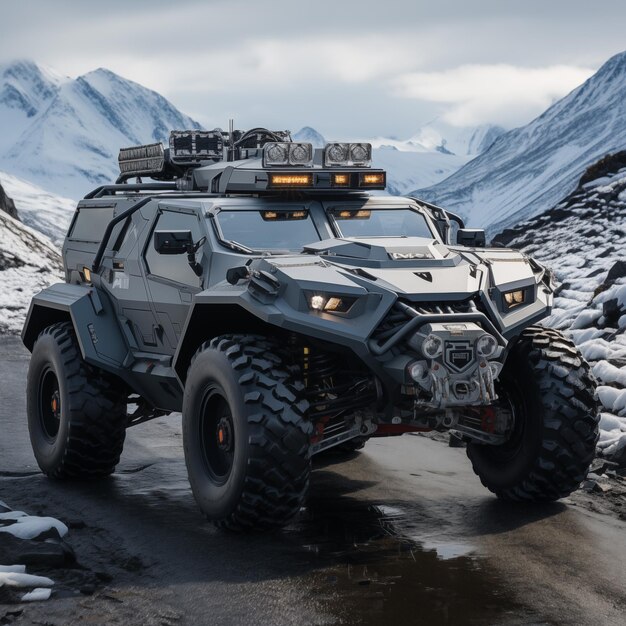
238	247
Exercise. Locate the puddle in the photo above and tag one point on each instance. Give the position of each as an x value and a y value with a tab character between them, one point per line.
370	566
447	551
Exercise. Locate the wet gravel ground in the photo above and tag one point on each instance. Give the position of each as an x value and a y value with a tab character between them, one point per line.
401	533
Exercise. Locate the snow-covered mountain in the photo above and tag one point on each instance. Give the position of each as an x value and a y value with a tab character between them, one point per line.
583	239
433	153
529	169
64	134
465	141
29	262
309	135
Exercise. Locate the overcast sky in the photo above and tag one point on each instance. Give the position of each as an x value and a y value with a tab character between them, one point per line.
348	68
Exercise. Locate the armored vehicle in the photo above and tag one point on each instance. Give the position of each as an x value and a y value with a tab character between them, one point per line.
276	297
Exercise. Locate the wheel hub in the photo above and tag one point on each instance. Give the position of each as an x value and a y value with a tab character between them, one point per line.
55	405
224	434
49	404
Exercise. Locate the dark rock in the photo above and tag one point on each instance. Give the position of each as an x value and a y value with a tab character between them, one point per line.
50	553
619	458
611	311
617	271
9	595
456	441
51	533
7	205
610	164
76	524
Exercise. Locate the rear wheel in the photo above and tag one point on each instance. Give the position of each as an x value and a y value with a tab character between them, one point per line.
547	385
246	437
76	413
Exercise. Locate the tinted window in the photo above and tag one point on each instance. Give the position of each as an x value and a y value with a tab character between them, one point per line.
174	266
269	229
90	224
381	223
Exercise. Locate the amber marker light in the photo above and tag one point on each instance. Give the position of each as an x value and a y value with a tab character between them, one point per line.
341	180
291	180
372	179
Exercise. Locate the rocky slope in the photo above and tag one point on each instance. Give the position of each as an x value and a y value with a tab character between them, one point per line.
528	170
583	238
29	262
39	209
6	204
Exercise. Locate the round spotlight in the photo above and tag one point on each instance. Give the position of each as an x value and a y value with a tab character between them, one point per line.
486	346
276	154
359	153
337	152
432	346
299	154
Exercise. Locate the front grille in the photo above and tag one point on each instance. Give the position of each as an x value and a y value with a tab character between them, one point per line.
398	316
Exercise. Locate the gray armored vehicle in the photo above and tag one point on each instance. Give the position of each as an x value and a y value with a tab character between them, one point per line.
261	288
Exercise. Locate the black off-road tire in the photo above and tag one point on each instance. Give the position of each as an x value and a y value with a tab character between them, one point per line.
82	437
553	396
255	474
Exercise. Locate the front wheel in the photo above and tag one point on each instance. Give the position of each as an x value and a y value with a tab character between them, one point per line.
547	386
245	433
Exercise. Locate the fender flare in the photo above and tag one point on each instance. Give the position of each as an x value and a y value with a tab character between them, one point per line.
99	336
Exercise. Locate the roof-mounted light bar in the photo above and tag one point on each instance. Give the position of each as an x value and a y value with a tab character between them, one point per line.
191	146
321	180
145	160
281	153
348	154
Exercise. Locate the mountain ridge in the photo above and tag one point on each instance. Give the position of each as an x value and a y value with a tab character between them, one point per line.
528	169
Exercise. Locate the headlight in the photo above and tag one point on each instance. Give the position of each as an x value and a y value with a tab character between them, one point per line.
486	346
514	298
331	304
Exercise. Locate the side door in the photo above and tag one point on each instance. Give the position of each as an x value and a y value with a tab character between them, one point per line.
170	279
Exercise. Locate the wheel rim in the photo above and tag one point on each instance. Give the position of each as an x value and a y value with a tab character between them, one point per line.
217	435
49	404
511	399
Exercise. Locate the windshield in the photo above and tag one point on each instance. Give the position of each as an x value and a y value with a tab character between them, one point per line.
277	230
361	223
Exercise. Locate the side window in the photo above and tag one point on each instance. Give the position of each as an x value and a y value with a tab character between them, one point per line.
173	267
90	223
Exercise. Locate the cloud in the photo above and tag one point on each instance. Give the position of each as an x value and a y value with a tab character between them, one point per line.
502	94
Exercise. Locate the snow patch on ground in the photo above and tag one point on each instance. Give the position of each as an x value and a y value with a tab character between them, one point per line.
30	527
37	595
25	528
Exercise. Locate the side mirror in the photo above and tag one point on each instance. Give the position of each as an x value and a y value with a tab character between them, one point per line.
173	241
471	237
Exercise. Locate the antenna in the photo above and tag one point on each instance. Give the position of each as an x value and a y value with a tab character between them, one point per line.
231	135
